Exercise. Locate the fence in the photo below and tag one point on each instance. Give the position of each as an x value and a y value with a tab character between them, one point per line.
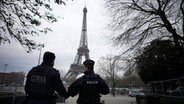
172	87
164	92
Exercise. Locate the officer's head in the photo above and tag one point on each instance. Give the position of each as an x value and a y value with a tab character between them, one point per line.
49	58
88	64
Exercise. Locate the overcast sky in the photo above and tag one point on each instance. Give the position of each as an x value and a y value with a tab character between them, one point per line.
65	38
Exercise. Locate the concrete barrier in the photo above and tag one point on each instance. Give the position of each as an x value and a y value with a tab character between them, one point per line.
159	99
147	99
11	99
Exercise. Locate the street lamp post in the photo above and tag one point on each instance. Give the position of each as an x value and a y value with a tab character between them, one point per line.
5	65
41	46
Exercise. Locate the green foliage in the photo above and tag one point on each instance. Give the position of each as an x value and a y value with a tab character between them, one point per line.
159	61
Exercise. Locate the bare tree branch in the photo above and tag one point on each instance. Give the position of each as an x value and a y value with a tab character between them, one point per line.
140	21
19	20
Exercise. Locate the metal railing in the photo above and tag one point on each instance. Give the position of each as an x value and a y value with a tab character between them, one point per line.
172	87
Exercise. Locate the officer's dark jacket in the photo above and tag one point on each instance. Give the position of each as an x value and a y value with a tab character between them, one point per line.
89	87
42	81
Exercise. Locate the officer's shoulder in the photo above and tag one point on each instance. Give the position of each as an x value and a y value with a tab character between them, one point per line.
98	76
55	73
35	67
85	76
55	70
80	78
79	81
91	76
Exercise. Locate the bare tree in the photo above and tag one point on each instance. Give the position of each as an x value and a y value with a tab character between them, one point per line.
109	66
140	21
19	18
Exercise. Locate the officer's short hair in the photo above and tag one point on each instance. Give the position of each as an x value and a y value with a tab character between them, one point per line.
89	63
49	57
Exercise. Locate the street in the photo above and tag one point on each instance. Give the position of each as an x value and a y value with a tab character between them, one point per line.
109	99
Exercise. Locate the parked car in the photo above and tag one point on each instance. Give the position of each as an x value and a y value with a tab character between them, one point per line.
178	91
135	92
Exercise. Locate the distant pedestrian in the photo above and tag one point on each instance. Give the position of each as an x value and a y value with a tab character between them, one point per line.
89	86
42	82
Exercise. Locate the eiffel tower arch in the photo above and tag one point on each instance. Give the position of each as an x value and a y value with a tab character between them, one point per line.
77	67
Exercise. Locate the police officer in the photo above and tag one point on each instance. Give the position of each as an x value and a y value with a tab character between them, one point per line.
42	82
89	86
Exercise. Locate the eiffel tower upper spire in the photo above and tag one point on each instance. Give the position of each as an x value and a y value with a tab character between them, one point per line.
83	41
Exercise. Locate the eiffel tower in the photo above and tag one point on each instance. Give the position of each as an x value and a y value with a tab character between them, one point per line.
77	67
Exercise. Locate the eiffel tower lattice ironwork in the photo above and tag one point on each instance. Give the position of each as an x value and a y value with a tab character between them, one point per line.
76	68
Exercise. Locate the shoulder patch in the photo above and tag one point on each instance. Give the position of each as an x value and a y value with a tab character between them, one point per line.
38	79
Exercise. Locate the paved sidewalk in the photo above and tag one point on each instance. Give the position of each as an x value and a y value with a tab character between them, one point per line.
109	99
